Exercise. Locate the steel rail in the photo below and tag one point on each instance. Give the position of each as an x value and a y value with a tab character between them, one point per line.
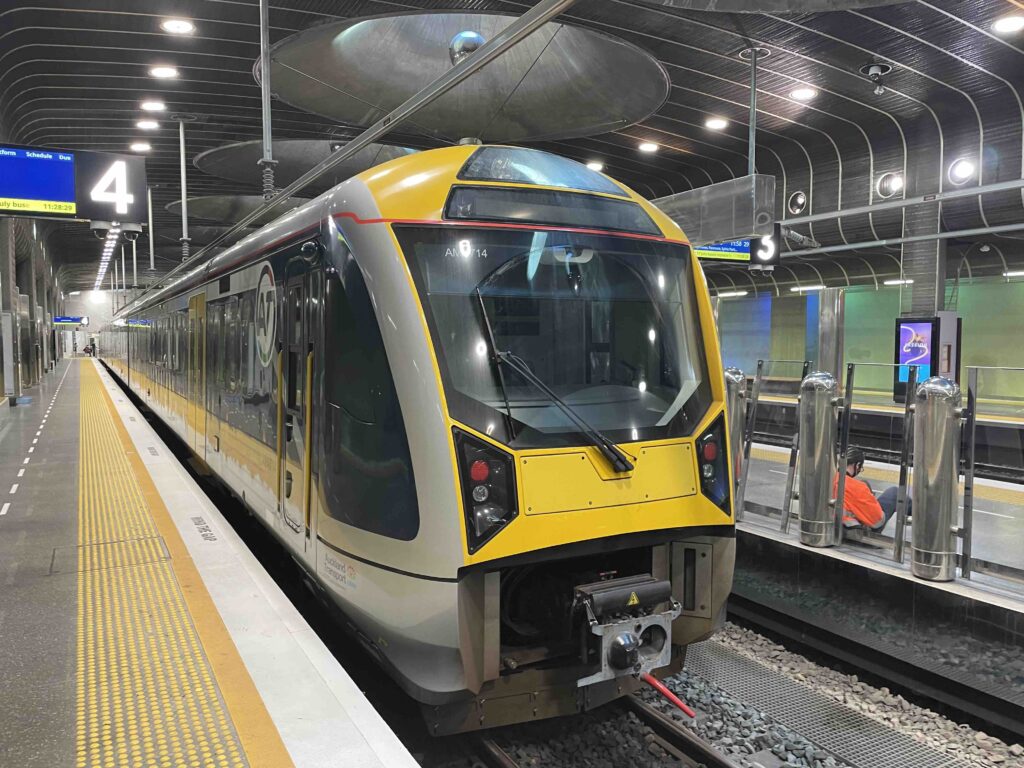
515	32
680	738
493	755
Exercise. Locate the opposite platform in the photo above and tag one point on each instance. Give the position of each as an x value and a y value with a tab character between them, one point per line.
143	631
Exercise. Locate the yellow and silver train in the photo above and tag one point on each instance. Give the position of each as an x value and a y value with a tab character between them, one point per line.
476	392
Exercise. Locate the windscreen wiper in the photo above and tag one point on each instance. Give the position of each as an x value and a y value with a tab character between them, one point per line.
618	460
614	455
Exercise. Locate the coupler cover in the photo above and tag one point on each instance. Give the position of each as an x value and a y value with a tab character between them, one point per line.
623	632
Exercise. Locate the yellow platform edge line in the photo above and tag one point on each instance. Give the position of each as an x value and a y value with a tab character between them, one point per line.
260	738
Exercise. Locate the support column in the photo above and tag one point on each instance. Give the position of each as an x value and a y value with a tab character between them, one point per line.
924	262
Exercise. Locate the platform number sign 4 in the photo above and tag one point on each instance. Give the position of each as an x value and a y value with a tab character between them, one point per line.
113	188
265	319
110	187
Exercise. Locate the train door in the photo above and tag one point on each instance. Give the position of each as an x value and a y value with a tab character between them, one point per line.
296	372
196	417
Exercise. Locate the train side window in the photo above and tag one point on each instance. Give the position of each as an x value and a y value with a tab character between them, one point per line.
231	343
296	358
246	331
369	478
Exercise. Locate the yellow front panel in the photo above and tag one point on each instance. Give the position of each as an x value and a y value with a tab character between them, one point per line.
581	479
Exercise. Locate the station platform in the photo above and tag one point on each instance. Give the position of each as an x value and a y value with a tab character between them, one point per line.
959	642
139	630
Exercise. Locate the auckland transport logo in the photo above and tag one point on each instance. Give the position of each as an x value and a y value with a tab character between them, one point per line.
266	314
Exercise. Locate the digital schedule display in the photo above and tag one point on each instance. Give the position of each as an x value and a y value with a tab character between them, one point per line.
40	182
37	181
731	250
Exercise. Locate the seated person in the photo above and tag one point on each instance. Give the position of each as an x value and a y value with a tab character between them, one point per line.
860	506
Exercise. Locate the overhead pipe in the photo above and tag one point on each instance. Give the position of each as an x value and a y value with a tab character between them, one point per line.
185	241
152	237
909	202
266	162
977	232
519	29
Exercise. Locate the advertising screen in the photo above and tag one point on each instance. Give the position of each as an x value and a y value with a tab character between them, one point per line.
731	250
915	348
37	181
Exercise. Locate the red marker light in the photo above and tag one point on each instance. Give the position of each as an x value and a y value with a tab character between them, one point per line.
710	451
479	471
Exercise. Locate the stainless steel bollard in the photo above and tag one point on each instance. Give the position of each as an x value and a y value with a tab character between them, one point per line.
736	408
817	459
936	479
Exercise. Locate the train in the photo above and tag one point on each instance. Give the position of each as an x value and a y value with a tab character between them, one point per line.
476	392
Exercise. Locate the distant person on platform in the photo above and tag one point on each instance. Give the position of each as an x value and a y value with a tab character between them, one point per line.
860	506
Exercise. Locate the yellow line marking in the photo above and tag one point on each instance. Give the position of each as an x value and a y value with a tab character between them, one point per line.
151	646
988	492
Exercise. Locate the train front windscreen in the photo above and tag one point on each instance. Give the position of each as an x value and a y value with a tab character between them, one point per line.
541	333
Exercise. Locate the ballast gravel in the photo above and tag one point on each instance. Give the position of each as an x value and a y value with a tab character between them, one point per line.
956	740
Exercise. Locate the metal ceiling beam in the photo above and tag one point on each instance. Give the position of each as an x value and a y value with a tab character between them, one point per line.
977	232
518	30
985	189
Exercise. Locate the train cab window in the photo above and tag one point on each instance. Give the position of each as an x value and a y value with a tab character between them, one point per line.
369	477
608	323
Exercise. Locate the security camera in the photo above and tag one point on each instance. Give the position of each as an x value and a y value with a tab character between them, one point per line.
99	229
131	232
875	74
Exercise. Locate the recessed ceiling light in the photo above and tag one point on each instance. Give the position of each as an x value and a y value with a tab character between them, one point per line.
803	93
648	146
595	165
889	184
797	202
1007	25
716	123
153	106
178	26
163	72
731	294
140	146
1014	273
147	125
898	282
960	170
802	288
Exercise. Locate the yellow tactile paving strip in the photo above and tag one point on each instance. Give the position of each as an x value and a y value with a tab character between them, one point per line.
988	492
147	675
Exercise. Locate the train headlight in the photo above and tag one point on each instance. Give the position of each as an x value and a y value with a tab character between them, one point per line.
488	488
714	472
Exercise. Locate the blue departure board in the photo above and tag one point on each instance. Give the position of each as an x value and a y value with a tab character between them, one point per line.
37	181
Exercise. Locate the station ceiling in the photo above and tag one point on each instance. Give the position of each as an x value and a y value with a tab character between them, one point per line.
73	73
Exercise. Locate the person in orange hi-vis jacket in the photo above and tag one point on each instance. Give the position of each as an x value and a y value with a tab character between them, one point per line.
860	507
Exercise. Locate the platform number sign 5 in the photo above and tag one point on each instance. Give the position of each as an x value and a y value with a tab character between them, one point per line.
113	188
265	319
764	251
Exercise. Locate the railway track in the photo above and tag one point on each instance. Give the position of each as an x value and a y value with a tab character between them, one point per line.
678	742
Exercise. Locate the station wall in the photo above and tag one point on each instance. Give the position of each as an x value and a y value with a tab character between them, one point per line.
785	328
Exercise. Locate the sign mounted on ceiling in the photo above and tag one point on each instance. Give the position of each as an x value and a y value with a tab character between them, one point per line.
60	320
71	184
760	252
